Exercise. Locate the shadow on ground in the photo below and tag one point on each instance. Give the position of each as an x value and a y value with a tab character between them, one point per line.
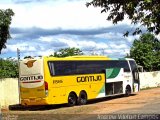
18	107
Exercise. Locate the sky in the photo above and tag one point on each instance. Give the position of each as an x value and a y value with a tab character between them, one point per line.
41	27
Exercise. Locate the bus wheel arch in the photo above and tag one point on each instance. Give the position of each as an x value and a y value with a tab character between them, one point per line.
72	99
128	91
82	98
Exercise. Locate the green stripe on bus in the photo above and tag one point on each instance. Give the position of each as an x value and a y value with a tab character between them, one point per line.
109	72
102	89
112	73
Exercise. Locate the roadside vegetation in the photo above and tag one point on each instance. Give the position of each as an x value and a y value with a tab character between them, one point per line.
148	88
8	68
146	52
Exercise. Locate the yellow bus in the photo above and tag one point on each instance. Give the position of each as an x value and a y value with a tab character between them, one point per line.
75	80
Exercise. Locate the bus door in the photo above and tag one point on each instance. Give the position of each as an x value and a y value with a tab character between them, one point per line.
114	81
135	74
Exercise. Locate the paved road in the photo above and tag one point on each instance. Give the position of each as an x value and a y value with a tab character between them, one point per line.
153	107
150	111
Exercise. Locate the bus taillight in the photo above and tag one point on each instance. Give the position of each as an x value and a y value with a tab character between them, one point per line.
46	88
46	85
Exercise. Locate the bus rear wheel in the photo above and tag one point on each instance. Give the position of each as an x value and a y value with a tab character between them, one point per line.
128	91
82	99
72	99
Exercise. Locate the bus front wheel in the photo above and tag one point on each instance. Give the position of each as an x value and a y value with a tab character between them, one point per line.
72	99
82	99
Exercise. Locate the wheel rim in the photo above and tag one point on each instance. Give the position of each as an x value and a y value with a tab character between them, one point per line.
72	99
83	99
128	92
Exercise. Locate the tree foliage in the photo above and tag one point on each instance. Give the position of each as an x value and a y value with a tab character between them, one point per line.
8	68
146	52
68	52
28	57
145	12
5	21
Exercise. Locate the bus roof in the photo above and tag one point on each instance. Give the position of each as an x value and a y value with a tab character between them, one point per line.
78	58
83	57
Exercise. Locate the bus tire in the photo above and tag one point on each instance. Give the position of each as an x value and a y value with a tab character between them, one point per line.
128	91
72	99
82	99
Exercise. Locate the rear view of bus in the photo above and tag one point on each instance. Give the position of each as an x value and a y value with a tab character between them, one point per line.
33	88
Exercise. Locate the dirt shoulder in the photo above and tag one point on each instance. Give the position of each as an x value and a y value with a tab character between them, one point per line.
138	100
100	106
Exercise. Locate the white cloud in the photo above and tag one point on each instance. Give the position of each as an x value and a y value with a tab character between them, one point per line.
54	14
118	46
87	44
38	53
110	35
46	52
132	38
108	51
46	39
70	42
57	14
21	46
102	45
84	44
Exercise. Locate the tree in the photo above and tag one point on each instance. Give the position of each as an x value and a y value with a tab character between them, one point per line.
144	12
146	52
5	21
26	57
68	52
8	68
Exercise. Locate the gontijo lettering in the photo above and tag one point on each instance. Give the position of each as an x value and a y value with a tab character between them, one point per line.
89	78
31	78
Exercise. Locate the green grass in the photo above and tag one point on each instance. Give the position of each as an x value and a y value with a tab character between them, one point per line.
147	88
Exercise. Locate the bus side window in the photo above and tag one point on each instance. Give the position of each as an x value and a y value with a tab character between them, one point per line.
51	68
118	64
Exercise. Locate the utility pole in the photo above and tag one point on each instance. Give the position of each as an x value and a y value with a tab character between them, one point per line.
18	58
102	51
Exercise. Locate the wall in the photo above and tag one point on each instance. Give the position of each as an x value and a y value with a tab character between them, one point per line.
149	79
8	92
